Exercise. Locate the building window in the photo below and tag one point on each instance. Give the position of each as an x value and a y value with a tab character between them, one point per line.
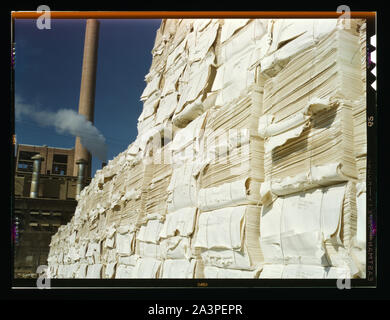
60	162
25	163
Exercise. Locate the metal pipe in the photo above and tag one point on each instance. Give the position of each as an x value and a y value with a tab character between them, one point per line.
81	164
88	85
35	175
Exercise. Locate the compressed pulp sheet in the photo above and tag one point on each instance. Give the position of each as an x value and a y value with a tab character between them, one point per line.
125	267
178	268
148	250
94	271
293	228
287	38
176	247
201	39
228	237
211	272
230	26
231	150
296	145
301	271
361	215
125	243
147	243
182	190
329	69
360	137
147	268
239	192
175	235
150	231
195	80
156	196
180	222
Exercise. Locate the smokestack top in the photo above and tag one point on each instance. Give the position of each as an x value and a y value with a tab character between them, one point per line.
81	161
93	21
37	157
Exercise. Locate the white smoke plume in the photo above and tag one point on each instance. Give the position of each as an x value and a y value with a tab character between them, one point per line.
66	121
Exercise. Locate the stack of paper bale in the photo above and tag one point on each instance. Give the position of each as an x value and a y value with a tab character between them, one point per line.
250	159
360	135
239	48
175	244
177	232
151	220
231	169
312	84
232	154
228	240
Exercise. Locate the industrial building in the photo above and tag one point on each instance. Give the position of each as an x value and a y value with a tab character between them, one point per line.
38	216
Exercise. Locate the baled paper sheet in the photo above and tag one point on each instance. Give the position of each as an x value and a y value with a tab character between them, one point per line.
182	188
172	78
293	227
221	228
199	73
110	270
180	222
151	87
225	195
176	247
124	272
150	105
128	260
147	249
189	134
272	271
124	243
302	38
229	259
178	269
81	271
316	176
147	268
230	26
150	232
245	40
201	41
302	271
166	107
189	113
361	215
176	54
94	271
219	273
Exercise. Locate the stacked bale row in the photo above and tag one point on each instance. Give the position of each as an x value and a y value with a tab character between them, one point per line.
249	160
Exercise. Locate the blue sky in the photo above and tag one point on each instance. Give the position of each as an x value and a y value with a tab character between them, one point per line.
48	66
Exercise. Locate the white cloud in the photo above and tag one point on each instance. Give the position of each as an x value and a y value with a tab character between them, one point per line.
66	121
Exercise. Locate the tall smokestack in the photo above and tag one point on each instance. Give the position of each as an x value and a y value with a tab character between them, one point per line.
35	176
87	89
